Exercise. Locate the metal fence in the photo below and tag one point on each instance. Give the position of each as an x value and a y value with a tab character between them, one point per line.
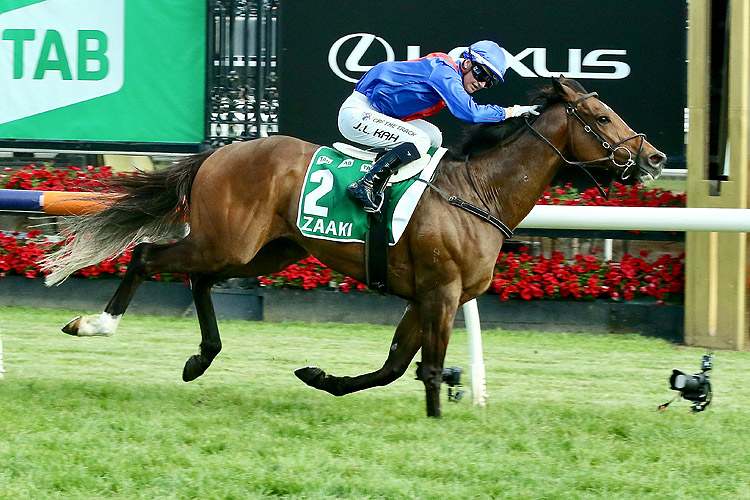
242	97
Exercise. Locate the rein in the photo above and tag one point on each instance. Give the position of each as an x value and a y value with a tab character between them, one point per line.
571	110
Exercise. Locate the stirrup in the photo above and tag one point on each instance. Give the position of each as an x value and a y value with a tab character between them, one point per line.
364	192
370	189
375	210
370	204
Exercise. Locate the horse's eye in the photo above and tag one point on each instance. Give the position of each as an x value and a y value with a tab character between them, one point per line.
603	120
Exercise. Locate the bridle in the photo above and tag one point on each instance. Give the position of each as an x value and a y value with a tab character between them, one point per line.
571	111
626	168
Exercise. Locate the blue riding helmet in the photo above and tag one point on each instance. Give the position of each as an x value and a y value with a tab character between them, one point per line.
490	55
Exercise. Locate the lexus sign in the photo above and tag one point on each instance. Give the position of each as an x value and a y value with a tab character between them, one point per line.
640	74
528	63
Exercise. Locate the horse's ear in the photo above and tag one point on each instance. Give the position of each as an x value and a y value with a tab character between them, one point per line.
559	88
563	90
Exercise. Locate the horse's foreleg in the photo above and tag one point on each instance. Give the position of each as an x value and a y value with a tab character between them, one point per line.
105	324
438	314
406	343
210	340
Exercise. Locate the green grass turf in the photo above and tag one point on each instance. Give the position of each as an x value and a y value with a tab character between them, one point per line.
569	416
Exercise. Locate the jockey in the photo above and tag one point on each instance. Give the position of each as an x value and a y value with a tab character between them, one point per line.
389	101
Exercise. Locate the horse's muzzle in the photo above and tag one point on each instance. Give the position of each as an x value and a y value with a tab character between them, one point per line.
650	167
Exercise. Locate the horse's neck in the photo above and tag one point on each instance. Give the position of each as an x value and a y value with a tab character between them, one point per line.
513	177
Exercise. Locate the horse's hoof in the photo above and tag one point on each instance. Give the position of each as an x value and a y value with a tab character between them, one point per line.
193	368
309	374
71	327
99	325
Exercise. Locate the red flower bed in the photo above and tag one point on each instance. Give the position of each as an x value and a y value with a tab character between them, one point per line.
20	254
517	276
587	277
621	196
310	273
306	274
48	178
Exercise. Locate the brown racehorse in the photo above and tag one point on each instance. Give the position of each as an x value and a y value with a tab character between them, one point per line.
241	203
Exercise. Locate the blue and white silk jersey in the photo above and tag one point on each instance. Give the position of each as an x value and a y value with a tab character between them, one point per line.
409	90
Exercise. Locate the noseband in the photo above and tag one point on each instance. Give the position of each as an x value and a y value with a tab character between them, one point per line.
571	109
626	168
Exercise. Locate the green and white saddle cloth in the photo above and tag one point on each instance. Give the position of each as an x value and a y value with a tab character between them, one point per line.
327	212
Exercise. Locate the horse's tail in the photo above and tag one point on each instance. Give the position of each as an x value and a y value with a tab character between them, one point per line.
146	206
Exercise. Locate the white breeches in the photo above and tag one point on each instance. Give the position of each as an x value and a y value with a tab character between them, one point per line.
361	123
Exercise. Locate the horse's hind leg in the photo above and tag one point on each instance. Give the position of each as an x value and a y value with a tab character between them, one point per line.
273	257
406	342
210	340
147	259
105	324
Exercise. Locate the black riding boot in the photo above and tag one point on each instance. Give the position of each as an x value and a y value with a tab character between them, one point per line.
369	189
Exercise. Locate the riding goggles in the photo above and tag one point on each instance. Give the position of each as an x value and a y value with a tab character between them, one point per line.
482	74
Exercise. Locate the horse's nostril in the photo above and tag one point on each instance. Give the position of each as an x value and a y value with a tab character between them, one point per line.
657	159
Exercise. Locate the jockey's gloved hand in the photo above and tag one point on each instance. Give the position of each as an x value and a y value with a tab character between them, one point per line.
519	110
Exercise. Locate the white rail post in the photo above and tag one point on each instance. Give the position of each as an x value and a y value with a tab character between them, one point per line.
476	357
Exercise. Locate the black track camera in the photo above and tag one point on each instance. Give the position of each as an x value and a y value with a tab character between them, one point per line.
452	377
695	388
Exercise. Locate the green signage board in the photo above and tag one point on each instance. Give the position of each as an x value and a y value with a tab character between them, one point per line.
102	70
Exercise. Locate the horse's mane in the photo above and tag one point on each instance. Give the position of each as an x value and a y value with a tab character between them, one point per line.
486	136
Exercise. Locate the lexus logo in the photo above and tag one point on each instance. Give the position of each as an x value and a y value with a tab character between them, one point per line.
528	63
353	62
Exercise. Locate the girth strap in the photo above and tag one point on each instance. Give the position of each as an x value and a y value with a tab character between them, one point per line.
376	248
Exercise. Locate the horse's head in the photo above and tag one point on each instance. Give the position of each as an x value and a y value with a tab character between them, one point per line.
599	136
